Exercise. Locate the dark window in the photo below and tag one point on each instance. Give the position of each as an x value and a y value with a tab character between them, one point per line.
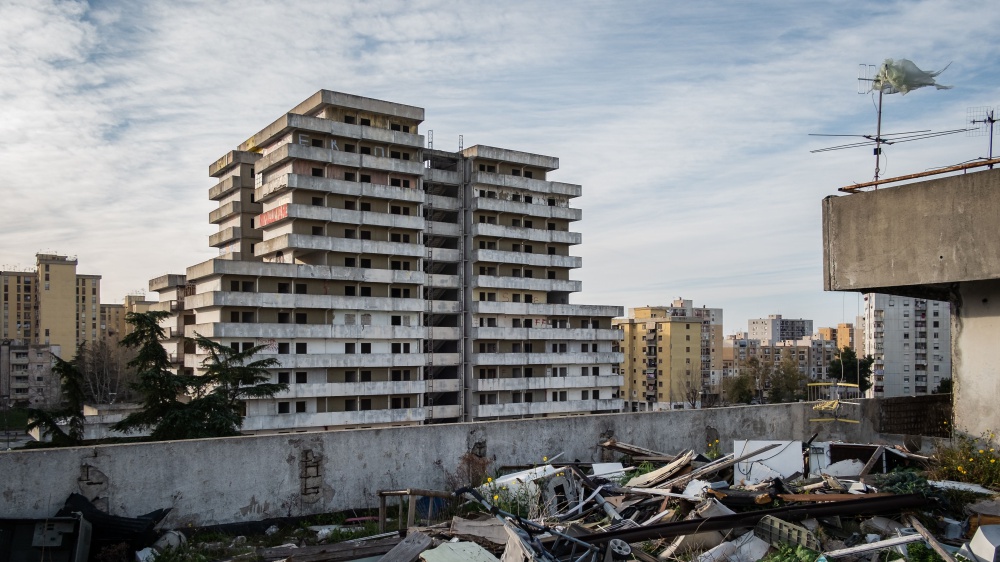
396	320
349	148
527	174
283	378
350	233
317	231
366	122
284	317
350	205
349	348
365	178
366	403
395	154
317	172
301	377
349	262
300	407
350	291
349	119
284	348
350	405
366	263
366	150
283	407
552	202
301	317
317	143
317	201
394	127
366	348
366	235
350	176
301	348
300	288
366	291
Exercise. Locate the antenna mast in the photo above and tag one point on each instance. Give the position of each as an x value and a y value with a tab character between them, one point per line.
983	119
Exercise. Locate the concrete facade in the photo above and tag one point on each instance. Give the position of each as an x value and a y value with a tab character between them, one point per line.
396	284
871	245
26	378
215	481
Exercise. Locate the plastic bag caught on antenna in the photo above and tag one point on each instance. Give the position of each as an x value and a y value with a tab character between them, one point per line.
899	77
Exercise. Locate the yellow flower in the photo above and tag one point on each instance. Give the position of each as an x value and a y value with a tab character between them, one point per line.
545	459
488	479
980	451
971	459
496	497
992	461
991	450
716	440
503	487
946	423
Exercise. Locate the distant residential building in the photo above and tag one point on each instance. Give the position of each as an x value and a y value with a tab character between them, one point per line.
672	356
910	340
51	304
774	328
113	325
26	378
812	354
844	335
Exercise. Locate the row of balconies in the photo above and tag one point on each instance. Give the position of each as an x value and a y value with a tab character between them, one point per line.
289	152
373	388
546	383
544	309
568	358
529	234
522	183
530	209
548	407
301	272
285	182
344	361
340	419
225	330
289	301
349	217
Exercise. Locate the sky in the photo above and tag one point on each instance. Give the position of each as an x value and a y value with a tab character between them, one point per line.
687	123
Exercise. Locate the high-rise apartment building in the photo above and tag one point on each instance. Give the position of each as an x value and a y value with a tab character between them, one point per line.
910	340
395	284
774	328
26	378
672	356
844	335
51	305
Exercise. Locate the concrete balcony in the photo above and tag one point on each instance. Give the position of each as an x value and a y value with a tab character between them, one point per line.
224	212
435	228
217	267
540	408
369	388
344	216
443	412
225	236
227	186
282	183
332	419
292	121
529	234
440	202
341	245
546	383
546	334
543	309
167	281
289	301
443	333
569	358
521	258
443	307
443	254
330	360
440	281
530	209
270	331
434	386
230	159
442	176
525	184
526	283
290	152
547	163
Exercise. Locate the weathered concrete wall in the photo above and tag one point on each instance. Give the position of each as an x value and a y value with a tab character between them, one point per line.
975	335
924	234
215	481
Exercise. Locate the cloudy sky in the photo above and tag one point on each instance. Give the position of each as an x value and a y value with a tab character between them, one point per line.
686	122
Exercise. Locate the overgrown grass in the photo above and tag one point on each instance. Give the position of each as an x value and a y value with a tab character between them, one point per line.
968	459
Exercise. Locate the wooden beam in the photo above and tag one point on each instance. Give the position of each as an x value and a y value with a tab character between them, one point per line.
858	186
944	554
409	549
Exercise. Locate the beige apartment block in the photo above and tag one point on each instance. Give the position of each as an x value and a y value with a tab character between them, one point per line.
395	284
26	378
51	304
672	356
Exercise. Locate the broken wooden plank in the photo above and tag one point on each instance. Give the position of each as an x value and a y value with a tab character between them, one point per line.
879	452
877	545
661	474
711	468
330	552
633	450
944	554
409	549
815	498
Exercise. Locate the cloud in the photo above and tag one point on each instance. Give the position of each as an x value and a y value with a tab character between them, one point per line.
686	123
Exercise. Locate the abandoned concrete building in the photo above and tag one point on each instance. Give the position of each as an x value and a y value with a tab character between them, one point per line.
396	284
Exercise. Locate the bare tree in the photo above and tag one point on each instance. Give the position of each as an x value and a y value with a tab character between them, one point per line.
107	379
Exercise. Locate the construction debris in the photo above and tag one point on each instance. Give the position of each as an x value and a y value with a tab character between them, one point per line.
783	501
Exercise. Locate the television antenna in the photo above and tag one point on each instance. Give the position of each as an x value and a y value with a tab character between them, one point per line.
982	119
886	81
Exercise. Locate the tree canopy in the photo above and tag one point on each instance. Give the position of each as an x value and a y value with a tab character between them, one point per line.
785	384
850	369
69	413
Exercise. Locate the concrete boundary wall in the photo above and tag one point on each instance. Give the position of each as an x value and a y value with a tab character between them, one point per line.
214	481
